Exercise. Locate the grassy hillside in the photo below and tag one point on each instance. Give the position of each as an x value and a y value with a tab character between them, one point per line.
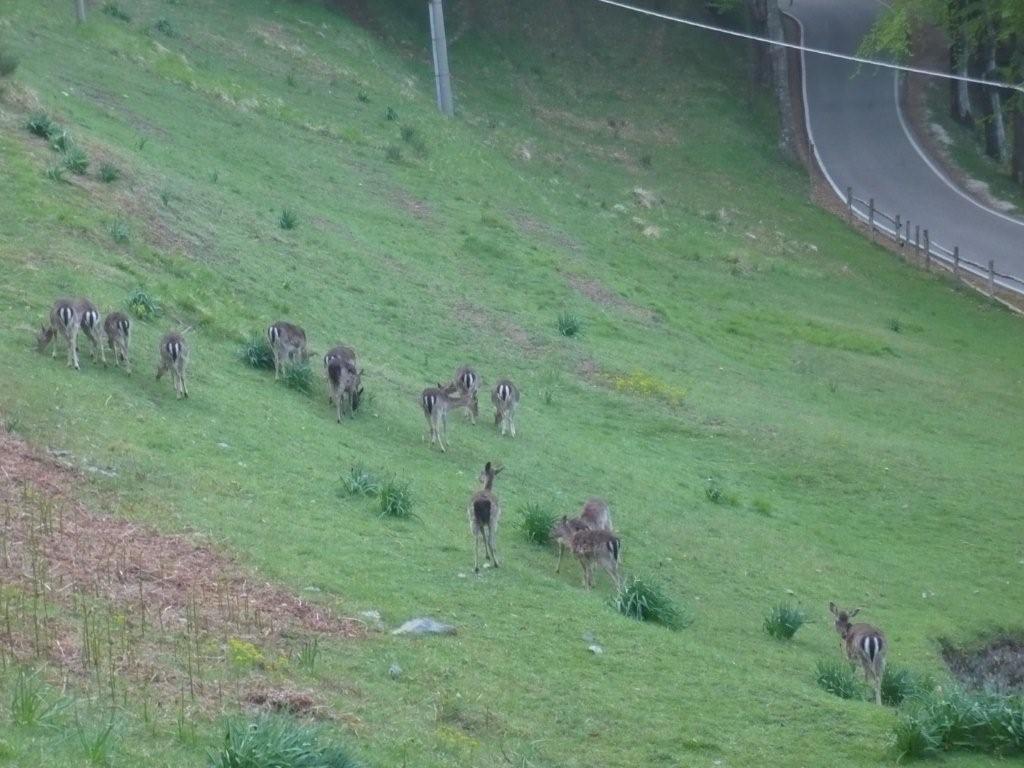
859	420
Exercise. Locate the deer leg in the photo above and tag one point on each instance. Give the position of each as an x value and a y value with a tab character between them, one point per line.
490	545
103	354
277	365
337	407
184	386
443	432
512	423
561	548
476	551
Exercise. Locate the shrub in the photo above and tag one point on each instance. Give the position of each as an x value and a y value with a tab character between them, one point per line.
954	720
536	522
32	704
569	324
838	678
76	161
395	500
277	742
644	600
8	63
115	11
119	231
256	352
393	153
360	481
299	376
899	685
783	621
39	124
288	219
165	27
109	173
143	306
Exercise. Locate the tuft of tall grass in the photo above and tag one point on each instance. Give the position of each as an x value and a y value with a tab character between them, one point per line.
535	522
360	481
288	219
109	173
895	325
390	115
395	500
393	153
718	495
838	678
143	306
39	124
277	742
165	27
119	231
60	138
569	325
256	352
95	743
299	376
643	600
32	704
900	685
8	64
945	721
76	161
783	621
55	173
115	11
413	138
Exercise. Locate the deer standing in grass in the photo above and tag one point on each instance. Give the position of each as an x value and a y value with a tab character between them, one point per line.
601	547
505	397
595	516
436	403
467	383
89	324
344	378
287	342
865	645
174	354
118	329
484	513
64	321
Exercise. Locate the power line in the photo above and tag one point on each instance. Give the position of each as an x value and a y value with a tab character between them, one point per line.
818	51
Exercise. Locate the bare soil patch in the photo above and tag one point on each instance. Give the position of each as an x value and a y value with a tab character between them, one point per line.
605	297
993	664
486	321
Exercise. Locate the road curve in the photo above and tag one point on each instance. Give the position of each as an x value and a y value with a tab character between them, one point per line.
861	140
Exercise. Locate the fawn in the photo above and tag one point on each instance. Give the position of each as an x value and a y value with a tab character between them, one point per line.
601	547
505	397
118	329
89	324
63	320
484	513
344	378
287	342
865	645
467	382
174	357
595	516
436	402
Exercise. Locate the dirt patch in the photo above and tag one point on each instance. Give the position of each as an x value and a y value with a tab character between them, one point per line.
601	295
487	322
994	664
285	701
529	225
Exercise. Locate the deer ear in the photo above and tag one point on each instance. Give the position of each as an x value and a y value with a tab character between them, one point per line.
487	467
499	468
854	612
833	609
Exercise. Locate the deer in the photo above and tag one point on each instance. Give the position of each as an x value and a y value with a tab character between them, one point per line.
484	513
505	397
595	516
63	320
436	403
287	342
174	354
344	378
89	324
467	382
601	547
865	645
118	329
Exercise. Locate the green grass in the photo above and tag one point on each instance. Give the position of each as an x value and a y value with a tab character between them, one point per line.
953	720
535	522
783	621
645	600
839	679
470	253
277	742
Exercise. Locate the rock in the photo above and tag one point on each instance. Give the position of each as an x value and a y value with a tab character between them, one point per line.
644	197
424	626
394	671
595	649
372	619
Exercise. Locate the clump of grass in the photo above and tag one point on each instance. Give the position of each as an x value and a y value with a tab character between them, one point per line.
56	173
143	306
165	27
390	115
39	124
115	11
95	743
643	600
277	742
288	219
119	231
950	720
299	376
413	138
166	196
60	139
291	80
838	678
308	654
360	481
76	161
569	325
783	621
393	153
363	97
716	494
8	63
895	325
32	704
535	522
646	160
762	506
395	499
900	685
109	173
256	352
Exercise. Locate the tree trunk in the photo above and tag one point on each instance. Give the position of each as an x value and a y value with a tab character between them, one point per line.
960	101
995	125
780	81
1018	141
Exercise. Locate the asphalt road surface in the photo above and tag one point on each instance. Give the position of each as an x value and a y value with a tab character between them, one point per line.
862	141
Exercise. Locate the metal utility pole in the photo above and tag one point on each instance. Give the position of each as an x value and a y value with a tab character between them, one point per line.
442	77
80	11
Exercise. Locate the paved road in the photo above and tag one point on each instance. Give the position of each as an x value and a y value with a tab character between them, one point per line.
861	140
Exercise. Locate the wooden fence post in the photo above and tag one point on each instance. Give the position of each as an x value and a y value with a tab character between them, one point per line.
899	231
956	262
871	218
927	251
917	242
991	278
849	204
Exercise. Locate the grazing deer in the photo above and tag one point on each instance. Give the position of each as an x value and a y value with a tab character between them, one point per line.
505	397
864	645
467	382
89	324
484	513
174	357
600	547
437	402
595	516
63	320
118	329
287	342
344	378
